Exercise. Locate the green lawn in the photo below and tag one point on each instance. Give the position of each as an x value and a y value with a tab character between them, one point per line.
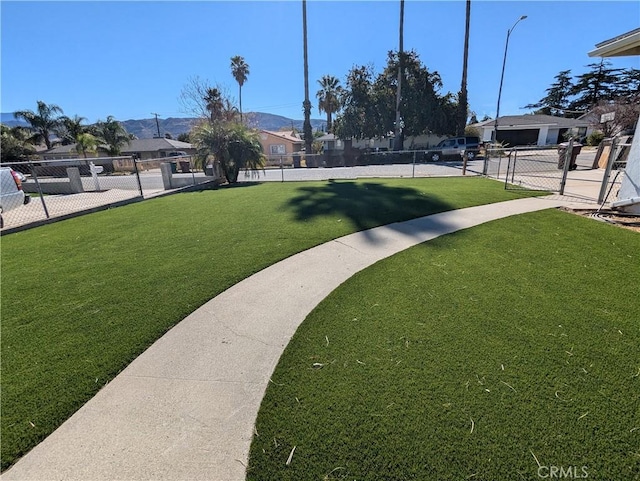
83	297
472	357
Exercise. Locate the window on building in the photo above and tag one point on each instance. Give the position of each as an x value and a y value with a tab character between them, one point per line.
277	149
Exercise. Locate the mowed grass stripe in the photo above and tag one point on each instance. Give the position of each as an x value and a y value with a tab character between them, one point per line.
468	357
83	297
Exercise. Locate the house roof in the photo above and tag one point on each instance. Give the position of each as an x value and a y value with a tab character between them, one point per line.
154	145
137	145
623	45
327	137
534	121
66	149
285	136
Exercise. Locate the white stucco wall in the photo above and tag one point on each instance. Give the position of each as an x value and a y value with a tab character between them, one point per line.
630	187
543	135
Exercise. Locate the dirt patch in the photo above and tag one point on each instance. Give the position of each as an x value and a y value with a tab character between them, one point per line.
625	221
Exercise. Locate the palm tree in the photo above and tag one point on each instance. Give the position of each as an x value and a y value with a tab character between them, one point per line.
219	106
43	122
70	129
306	105
113	134
233	145
240	71
213	102
329	97
86	143
463	103
15	143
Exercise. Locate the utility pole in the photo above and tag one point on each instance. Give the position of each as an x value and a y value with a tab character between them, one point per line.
157	123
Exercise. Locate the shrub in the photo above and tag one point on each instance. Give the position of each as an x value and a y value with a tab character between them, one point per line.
472	131
595	138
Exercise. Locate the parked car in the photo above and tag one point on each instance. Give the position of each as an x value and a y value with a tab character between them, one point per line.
453	149
177	153
11	193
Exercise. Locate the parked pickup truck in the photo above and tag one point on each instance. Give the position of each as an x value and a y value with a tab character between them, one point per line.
11	194
453	149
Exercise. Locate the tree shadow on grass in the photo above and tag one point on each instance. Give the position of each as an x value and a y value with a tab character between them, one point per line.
365	204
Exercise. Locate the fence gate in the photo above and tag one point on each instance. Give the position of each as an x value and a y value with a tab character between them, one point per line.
528	168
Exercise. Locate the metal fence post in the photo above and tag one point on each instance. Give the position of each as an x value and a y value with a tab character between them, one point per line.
567	164
464	162
281	169
485	166
135	167
413	174
39	187
607	171
506	175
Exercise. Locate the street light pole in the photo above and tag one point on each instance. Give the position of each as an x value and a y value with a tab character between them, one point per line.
504	63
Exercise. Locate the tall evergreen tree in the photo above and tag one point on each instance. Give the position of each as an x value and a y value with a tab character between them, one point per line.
556	102
359	117
369	108
630	85
600	83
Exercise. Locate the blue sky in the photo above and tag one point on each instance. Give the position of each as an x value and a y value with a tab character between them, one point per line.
129	59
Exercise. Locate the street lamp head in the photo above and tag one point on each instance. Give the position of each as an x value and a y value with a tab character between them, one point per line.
523	17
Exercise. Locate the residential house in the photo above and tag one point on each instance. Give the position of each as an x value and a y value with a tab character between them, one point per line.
627	44
280	144
143	149
536	129
330	142
146	149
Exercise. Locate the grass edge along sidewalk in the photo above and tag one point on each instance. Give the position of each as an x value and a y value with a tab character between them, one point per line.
489	353
83	297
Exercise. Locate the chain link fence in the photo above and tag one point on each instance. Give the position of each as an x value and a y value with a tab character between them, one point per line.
612	156
357	164
527	168
60	188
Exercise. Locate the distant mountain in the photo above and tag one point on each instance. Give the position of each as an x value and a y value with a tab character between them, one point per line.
9	119
261	120
148	129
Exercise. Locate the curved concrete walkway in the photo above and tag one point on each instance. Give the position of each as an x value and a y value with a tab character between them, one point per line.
185	409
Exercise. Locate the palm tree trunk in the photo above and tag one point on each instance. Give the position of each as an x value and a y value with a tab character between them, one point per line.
307	104
240	87
47	141
463	105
